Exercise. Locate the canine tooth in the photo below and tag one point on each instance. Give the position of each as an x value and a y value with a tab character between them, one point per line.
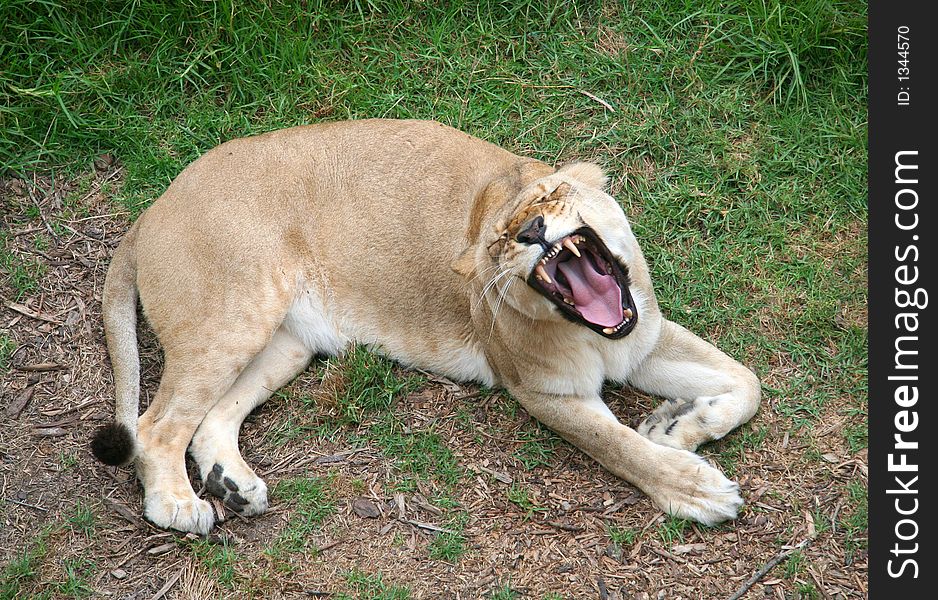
541	272
568	301
627	313
571	247
608	330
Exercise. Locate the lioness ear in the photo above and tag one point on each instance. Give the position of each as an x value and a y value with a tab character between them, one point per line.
465	263
588	173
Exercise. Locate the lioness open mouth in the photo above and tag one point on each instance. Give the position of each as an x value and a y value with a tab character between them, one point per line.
580	276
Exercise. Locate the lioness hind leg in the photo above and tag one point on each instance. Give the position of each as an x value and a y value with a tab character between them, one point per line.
215	444
188	390
708	393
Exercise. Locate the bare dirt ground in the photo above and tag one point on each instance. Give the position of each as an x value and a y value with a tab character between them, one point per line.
71	527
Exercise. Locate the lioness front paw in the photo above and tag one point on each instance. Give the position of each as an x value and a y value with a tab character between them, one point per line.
681	424
689	488
182	513
244	492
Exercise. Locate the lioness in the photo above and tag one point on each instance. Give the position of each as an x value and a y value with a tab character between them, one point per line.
438	249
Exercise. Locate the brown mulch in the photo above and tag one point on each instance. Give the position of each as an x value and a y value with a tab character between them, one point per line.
57	390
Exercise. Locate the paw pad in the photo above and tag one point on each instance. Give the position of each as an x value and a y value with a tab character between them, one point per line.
225	488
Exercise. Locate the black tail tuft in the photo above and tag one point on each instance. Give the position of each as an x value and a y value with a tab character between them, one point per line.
113	444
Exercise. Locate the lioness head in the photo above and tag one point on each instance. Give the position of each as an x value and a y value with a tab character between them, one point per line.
570	245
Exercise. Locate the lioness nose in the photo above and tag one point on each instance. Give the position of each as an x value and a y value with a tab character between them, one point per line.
532	232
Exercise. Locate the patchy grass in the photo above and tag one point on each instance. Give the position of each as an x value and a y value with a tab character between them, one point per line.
219	560
856	522
503	592
537	446
795	565
733	449
622	537
23	272
416	453
23	568
361	383
372	587
77	573
520	495
313	501
450	545
672	530
82	520
7	348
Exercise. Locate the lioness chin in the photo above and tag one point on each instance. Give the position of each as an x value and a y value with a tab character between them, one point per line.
438	249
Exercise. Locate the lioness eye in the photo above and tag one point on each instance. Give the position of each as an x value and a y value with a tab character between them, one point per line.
494	246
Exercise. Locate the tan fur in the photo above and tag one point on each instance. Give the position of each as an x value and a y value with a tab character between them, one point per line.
399	235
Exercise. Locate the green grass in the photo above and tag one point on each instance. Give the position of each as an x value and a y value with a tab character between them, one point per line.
733	447
520	495
807	591
68	460
450	545
447	547
622	537
418	453
82	520
24	567
361	383
671	531
312	500
503	592
7	348
219	560
22	273
857	436
856	520
795	565
537	448
366	586
78	572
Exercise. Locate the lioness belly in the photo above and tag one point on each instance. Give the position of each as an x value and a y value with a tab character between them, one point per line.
328	327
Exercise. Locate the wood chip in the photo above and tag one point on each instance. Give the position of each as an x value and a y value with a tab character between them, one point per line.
32	314
219	510
365	508
168	585
497	475
428	526
122	510
119	574
49	431
41	367
565	526
161	549
686	548
16	406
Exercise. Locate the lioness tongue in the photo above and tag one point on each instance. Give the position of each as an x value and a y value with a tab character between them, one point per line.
597	296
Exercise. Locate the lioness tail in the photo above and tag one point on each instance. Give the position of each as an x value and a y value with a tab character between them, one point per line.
114	443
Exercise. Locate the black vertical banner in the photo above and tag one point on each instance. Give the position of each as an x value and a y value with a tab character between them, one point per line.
903	224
